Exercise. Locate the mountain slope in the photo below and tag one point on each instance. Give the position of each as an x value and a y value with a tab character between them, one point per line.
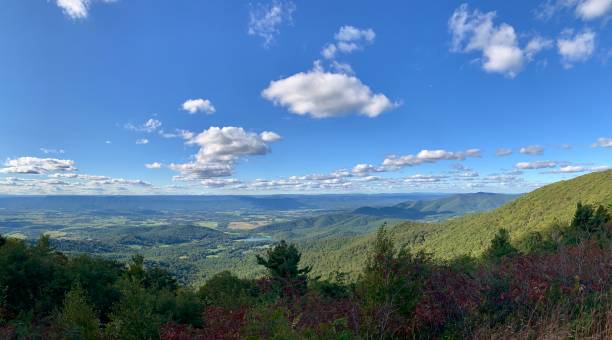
367	219
471	234
536	211
443	207
325	226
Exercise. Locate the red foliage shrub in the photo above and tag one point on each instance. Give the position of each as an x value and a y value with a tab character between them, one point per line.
223	323
575	271
173	331
447	295
314	312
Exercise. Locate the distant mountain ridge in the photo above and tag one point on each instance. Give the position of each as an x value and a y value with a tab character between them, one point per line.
452	205
205	202
366	219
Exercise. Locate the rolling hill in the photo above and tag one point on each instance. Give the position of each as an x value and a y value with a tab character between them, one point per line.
443	207
471	234
367	219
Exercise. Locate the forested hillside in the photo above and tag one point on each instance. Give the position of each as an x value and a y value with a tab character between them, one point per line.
539	210
445	207
544	209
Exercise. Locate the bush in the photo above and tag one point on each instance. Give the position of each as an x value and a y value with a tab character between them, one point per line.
282	263
77	320
228	291
134	315
500	246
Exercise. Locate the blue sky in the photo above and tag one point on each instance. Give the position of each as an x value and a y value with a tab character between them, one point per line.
141	97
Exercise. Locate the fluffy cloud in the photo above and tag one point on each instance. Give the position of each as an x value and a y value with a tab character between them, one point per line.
584	9
535	165
568	169
142	141
418	178
475	31
394	162
536	45
366	169
198	105
591	9
51	151
77	9
532	150
503	152
219	182
348	39
35	165
178	133
603	143
269	136
265	20
575	48
322	94
150	125
154	165
220	148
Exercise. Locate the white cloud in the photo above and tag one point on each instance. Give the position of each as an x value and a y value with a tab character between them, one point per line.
575	48
427	156
198	105
322	94
142	141
583	9
536	45
503	152
219	182
265	20
154	165
178	133
348	39
366	169
150	125
591	9
342	68
570	169
77	9
220	148
498	44
418	178
52	151
532	150
603	143
536	165
269	136
35	165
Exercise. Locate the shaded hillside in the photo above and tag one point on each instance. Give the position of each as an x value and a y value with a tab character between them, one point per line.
325	226
367	219
471	234
442	207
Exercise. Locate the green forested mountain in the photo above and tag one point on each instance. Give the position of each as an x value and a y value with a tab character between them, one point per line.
539	210
442	207
367	219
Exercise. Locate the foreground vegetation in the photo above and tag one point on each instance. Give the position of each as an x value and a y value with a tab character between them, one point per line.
556	284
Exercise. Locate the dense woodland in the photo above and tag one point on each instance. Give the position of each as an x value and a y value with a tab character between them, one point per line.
556	284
